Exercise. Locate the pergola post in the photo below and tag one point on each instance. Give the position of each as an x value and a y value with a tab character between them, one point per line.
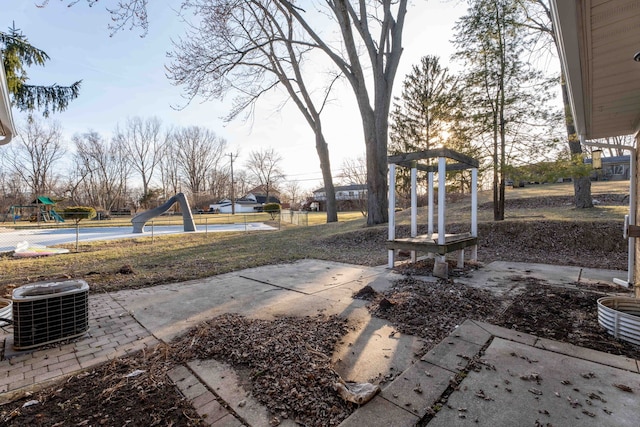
474	211
440	268
414	204
430	208
392	209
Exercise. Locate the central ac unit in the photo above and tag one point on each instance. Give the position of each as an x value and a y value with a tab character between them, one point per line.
45	313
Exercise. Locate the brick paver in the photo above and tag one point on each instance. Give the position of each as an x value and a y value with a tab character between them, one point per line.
113	332
203	401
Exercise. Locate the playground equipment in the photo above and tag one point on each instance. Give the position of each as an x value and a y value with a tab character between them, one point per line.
141	219
40	210
440	243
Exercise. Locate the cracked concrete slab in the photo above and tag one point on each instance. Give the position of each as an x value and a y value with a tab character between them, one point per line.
524	385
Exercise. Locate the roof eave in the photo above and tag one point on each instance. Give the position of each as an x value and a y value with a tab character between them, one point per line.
7	127
566	23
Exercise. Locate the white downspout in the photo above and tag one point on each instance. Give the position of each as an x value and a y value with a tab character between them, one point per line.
631	253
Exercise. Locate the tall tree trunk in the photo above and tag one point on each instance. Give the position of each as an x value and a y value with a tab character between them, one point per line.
503	144
377	169
375	126
325	166
496	168
581	184
377	200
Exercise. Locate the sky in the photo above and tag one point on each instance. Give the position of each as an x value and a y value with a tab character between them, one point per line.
124	76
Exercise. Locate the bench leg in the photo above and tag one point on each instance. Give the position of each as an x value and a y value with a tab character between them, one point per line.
461	258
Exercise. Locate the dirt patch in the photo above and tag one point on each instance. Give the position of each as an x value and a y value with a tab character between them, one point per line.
288	361
431	310
594	244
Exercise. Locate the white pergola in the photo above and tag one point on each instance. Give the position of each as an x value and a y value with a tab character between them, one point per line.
599	44
7	128
436	161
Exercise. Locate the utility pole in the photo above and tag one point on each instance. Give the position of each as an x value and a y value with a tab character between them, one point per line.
233	200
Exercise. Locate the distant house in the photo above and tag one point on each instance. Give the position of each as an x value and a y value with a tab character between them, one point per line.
250	203
259	193
348	197
615	168
7	127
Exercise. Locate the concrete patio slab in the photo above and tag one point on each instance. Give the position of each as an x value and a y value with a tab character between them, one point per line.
167	311
381	412
520	380
531	386
498	276
417	388
227	384
310	276
372	349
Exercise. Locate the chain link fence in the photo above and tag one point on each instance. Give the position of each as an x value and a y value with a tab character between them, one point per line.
18	232
295	217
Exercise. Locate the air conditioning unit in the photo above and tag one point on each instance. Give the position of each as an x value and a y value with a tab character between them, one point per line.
45	313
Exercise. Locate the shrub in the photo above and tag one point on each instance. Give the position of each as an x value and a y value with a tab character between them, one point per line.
272	209
79	212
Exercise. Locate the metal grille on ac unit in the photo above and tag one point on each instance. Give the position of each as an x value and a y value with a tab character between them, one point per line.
44	313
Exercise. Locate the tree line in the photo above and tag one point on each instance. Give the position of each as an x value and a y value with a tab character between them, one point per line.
141	166
497	108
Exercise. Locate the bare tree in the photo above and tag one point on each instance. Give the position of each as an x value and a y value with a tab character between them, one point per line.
354	172
170	169
293	192
376	25
241	182
144	143
219	181
538	19
372	26
36	153
264	167
198	151
249	49
619	141
103	169
12	189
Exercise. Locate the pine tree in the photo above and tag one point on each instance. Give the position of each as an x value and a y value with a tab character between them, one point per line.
422	115
427	115
18	53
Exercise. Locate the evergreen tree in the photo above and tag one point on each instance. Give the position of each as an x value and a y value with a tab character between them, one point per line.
423	114
428	114
17	53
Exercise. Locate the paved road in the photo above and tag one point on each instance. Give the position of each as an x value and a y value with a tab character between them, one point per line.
56	236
